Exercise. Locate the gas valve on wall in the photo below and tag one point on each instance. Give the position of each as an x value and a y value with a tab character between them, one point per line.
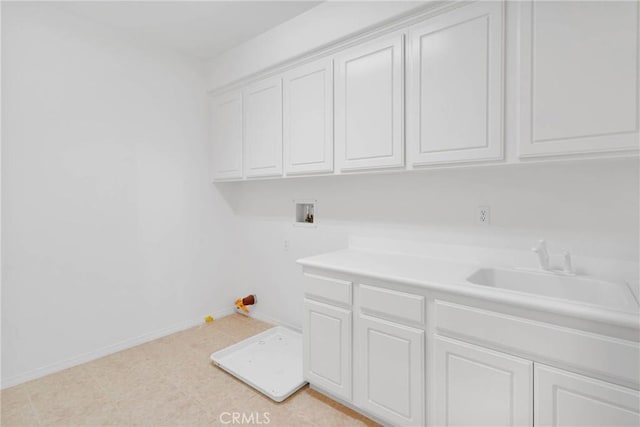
242	303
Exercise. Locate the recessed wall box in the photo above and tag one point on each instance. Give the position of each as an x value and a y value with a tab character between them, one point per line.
305	213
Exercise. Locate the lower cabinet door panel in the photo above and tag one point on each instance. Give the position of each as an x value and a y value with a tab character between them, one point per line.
327	347
475	386
565	399
391	371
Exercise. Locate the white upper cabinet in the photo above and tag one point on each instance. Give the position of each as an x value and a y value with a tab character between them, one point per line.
571	67
263	128
578	77
455	86
369	105
308	118
226	150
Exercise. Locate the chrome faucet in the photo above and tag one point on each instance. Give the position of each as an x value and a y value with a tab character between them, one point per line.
543	259
543	254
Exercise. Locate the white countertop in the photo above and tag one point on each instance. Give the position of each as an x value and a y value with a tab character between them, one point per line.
450	276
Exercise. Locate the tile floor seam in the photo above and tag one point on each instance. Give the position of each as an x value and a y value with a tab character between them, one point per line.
33	408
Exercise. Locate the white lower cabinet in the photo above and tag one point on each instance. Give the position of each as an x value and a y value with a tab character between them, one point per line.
564	399
480	387
391	371
327	347
402	360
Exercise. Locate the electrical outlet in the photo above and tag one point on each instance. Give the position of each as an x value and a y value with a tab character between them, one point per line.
285	246
483	215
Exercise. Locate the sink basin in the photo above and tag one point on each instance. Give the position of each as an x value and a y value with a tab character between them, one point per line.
575	288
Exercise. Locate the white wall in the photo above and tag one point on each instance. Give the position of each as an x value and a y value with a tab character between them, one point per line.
588	207
112	233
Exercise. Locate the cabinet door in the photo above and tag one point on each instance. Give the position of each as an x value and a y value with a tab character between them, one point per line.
566	399
391	371
369	105
263	128
480	387
327	347
308	118
578	77
455	87
226	150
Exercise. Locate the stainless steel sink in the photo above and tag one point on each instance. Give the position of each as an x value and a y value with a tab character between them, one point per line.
576	288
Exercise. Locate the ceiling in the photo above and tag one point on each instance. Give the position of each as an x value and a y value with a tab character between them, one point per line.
199	28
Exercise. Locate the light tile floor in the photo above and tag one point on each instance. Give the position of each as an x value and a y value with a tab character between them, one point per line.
166	382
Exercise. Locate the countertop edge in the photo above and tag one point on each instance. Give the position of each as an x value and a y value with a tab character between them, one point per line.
529	301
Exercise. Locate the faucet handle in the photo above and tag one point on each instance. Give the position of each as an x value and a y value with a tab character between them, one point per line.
542	246
567	267
543	254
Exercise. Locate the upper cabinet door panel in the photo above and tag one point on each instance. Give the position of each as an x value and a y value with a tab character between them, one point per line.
578	77
308	118
455	87
369	105
263	128
226	150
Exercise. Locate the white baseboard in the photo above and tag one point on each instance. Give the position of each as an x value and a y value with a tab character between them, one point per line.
274	321
223	312
107	350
